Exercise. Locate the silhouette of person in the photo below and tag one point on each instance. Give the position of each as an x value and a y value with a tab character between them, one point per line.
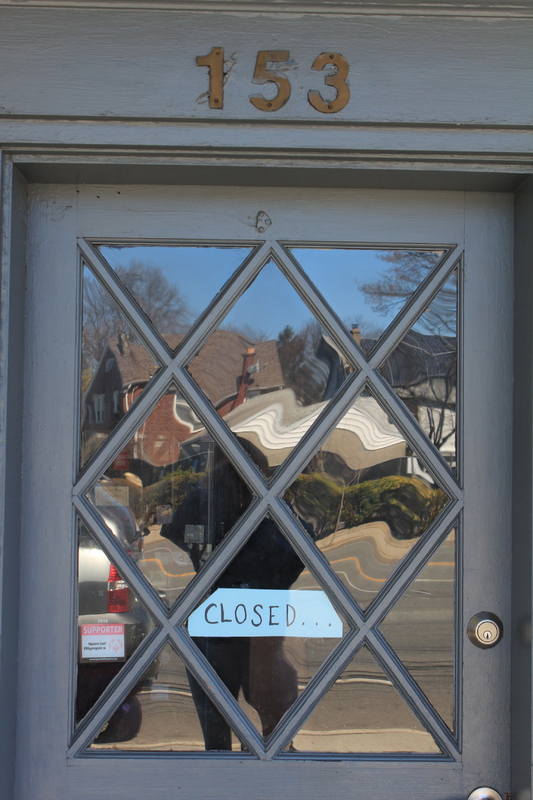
256	666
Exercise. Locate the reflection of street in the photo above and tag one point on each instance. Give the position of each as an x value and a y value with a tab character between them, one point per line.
168	568
169	716
364	712
420	628
364	557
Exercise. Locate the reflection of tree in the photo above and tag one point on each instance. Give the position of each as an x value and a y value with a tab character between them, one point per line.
102	319
408	268
301	368
407	504
171	491
423	368
431	394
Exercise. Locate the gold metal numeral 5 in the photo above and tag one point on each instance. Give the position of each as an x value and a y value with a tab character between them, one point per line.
264	75
337	80
215	62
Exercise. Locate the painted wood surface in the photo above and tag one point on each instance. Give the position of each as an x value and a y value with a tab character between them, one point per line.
109	64
12	390
48	641
516	8
522	493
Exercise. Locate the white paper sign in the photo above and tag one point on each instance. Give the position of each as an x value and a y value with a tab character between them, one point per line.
102	642
266	612
110	495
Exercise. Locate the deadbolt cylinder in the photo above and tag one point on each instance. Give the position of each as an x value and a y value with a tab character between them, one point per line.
484	793
485	630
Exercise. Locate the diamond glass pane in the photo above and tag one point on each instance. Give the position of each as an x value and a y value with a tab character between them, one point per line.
363	712
366	288
270	369
161	713
266	627
366	498
173	285
170	496
422	370
112	622
115	366
421	629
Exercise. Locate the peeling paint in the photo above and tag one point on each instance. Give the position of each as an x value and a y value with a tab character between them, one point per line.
229	64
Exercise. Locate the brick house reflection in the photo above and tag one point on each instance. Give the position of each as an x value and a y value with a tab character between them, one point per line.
233	370
230	367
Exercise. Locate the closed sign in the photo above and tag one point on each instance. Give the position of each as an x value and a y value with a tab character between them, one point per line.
266	612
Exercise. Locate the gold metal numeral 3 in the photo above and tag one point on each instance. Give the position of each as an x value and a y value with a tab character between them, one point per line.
337	80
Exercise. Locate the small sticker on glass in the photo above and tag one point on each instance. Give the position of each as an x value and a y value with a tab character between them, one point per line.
102	642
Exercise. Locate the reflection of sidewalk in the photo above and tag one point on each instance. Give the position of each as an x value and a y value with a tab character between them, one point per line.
378	534
378	740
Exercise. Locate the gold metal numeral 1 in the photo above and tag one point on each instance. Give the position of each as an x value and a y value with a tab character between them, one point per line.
337	80
264	75
215	62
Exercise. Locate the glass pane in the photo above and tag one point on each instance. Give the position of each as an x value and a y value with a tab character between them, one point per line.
270	369
422	370
267	627
420	628
174	492
366	498
115	364
160	714
366	288
111	622
363	712
174	284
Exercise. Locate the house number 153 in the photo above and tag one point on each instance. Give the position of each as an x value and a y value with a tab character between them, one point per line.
267	70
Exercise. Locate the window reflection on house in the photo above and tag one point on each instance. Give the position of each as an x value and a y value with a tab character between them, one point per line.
365	497
252	388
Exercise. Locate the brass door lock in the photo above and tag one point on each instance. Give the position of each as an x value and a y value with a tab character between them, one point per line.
485	630
485	793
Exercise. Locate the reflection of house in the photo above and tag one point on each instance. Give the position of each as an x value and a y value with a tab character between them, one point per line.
422	370
230	368
244	381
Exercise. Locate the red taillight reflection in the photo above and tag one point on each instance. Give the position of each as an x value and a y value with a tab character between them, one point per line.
118	593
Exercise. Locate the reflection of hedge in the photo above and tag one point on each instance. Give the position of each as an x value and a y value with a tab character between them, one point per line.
170	491
407	504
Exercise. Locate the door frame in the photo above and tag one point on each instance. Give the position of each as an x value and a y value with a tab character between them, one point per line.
17	224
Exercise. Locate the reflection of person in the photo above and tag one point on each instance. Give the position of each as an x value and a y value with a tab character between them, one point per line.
257	666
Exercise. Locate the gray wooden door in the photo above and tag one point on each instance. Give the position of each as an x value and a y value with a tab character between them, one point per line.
402	542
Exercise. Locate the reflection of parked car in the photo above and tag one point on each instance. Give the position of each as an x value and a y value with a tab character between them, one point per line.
111	622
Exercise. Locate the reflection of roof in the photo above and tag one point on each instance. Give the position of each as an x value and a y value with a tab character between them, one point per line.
134	361
216	368
268	373
218	365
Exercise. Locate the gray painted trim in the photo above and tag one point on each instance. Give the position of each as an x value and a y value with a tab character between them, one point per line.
370	175
504	8
13	223
521	698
